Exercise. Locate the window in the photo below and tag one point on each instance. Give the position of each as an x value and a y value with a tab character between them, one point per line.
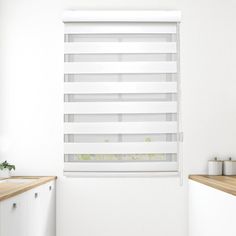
121	92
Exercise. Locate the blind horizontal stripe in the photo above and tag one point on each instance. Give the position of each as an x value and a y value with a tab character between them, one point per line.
119	47
119	87
120	28
124	174
120	148
119	67
120	127
119	107
118	166
121	16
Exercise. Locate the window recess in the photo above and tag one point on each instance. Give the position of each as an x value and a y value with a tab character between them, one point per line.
121	93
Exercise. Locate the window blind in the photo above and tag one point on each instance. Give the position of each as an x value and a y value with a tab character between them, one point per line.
121	92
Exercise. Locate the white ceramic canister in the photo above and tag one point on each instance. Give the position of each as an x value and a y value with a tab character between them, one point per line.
215	167
229	167
5	173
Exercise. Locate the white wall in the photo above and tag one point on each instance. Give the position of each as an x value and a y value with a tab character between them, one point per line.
31	107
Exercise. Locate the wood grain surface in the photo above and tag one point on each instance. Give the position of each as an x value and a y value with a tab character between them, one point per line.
10	189
224	183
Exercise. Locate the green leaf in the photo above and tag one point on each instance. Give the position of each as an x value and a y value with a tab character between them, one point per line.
6	165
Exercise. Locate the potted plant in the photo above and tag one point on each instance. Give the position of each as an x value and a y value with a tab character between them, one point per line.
5	169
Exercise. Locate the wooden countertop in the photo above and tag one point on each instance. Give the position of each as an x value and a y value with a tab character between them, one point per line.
10	189
224	183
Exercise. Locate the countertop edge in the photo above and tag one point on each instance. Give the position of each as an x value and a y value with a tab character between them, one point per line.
221	183
26	187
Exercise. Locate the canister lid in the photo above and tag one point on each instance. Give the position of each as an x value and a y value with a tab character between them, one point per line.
230	160
215	160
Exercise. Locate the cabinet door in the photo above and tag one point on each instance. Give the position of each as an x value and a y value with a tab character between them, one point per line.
211	211
35	213
13	216
49	201
42	210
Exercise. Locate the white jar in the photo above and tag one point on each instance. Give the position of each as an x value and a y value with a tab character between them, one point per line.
215	167
229	167
5	173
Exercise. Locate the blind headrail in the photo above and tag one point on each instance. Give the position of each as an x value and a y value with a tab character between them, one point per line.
121	16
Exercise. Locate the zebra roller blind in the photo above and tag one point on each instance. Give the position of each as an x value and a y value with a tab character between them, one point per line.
121	92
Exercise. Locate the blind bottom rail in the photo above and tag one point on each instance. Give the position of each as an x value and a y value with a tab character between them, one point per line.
121	167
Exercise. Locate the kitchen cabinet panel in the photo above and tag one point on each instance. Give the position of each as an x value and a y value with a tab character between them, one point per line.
31	213
13	216
211	211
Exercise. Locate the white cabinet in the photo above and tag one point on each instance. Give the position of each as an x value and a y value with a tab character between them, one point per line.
211	211
31	213
13	216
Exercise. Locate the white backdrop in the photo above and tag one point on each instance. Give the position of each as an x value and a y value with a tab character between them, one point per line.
31	108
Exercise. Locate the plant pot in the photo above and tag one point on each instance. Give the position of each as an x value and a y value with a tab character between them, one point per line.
5	173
